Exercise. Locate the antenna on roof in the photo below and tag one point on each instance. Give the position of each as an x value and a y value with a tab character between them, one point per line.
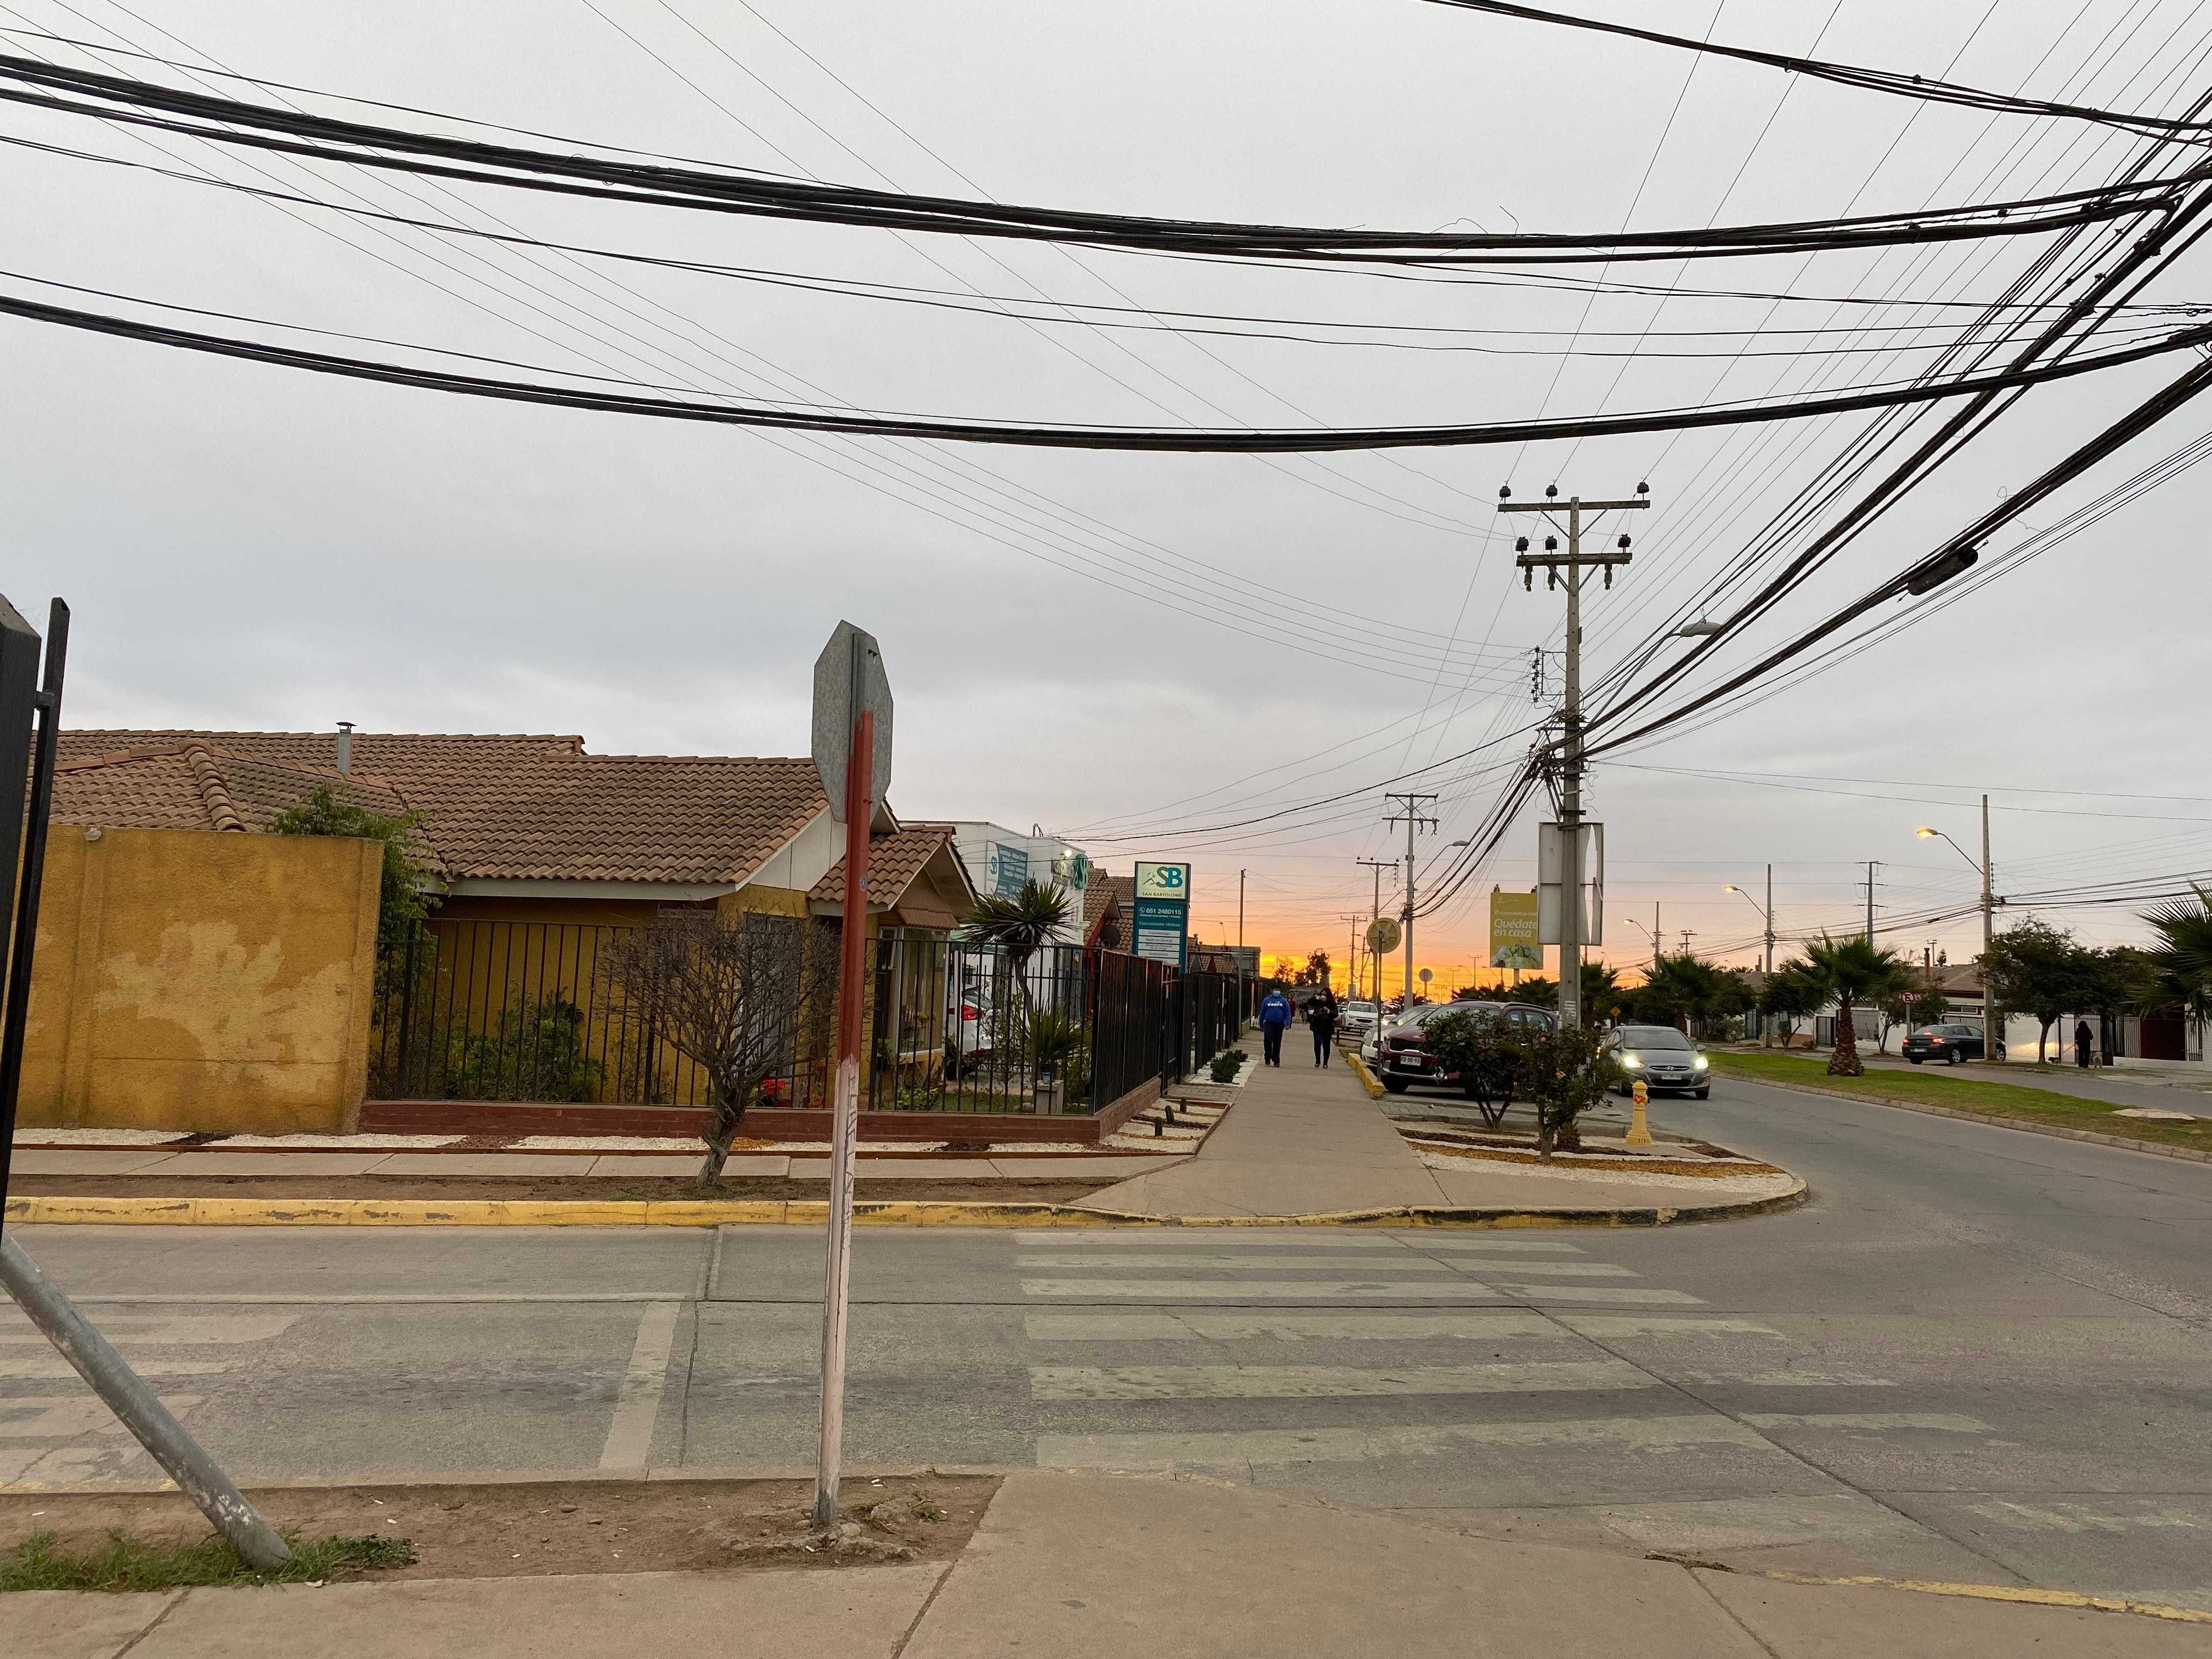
345	745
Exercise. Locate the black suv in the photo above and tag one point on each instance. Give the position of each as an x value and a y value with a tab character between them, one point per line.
1949	1043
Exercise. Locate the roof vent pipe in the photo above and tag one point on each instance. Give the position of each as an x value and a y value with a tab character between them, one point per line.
345	745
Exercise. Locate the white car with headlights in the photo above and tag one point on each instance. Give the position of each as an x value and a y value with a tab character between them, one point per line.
1662	1057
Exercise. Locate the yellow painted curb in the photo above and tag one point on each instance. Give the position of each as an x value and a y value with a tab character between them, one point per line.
2020	1593
735	1212
1368	1080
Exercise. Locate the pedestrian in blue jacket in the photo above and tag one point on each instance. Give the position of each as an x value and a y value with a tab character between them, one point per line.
1275	1012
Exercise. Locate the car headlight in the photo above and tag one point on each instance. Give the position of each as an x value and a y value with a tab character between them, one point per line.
1634	1063
1702	1062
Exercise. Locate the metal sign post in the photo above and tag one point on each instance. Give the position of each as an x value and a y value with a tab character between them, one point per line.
852	751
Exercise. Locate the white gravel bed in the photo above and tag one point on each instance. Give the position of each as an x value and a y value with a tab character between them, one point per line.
1776	1183
97	1137
335	1143
609	1144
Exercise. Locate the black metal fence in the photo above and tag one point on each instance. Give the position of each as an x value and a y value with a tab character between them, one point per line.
527	1011
515	1010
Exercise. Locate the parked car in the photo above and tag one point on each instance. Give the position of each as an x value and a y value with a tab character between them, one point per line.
1665	1059
1949	1044
1355	1019
1402	1060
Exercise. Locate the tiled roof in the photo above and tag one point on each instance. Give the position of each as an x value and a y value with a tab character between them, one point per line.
894	861
1101	897
193	786
495	807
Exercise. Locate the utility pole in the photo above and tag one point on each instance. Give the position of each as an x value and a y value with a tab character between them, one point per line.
1992	1017
1770	921
1869	927
1656	936
1570	716
1240	909
1414	821
1374	955
1688	933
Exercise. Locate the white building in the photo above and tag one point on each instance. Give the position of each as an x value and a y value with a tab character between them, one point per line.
1000	859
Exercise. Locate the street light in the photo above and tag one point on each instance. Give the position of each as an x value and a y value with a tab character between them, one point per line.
1766	914
1992	1020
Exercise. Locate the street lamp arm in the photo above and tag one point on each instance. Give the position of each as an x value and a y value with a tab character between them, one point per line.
1974	863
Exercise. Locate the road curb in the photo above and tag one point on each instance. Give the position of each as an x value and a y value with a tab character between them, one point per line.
810	1212
1368	1080
2025	1594
2185	1154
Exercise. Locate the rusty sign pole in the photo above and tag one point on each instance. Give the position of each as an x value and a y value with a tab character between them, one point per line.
848	696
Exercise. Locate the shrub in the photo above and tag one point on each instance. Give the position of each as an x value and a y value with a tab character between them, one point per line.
1563	1074
537	1052
1225	1067
1485	1052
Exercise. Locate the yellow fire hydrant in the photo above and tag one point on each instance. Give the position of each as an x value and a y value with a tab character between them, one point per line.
1639	1135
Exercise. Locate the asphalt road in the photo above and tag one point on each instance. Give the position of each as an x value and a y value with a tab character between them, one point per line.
1976	1355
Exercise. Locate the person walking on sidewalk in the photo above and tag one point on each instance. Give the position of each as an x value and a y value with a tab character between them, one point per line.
1274	1016
1321	1019
2084	1042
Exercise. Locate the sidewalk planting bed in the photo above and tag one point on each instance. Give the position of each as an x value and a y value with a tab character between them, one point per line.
529	1528
2000	1101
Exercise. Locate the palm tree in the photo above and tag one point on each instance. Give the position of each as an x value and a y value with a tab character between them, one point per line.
1601	992
1020	925
2182	960
1685	987
1853	970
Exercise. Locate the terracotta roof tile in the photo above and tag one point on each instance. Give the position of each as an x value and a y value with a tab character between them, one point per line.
502	807
894	861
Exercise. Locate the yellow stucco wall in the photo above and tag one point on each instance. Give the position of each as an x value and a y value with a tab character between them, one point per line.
190	980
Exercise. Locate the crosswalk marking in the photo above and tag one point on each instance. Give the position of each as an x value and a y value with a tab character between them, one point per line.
1773	1379
1238	1289
1325	1382
69	1415
1351	1445
1660	1325
42	1369
1869	1422
1278	1264
1138	1243
1282	1264
166	1330
1315	1325
1599	1294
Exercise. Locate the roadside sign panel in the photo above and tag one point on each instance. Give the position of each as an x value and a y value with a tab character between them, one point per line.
1164	881
1513	939
1161	931
851	659
1009	869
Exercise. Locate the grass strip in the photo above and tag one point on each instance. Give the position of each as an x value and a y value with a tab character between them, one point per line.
1999	1100
124	1562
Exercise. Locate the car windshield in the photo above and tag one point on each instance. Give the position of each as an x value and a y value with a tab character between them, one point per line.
1654	1036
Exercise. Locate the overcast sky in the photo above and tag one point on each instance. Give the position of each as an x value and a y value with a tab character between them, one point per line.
1135	647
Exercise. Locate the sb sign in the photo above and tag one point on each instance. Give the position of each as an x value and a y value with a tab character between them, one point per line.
1164	881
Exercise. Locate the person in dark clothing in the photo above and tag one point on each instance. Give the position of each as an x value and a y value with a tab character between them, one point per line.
1274	1019
1321	1019
2084	1041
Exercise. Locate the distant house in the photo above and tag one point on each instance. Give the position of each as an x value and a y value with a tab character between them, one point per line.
1109	903
534	828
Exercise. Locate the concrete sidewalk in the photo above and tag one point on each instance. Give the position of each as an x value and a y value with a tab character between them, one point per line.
1096	1566
1302	1140
1309	1140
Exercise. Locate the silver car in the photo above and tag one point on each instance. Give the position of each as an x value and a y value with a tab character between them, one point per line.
1662	1057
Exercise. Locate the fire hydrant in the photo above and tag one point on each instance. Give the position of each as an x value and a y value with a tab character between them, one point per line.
1639	1135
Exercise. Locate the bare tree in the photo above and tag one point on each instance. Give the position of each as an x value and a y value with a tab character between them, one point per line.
748	998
